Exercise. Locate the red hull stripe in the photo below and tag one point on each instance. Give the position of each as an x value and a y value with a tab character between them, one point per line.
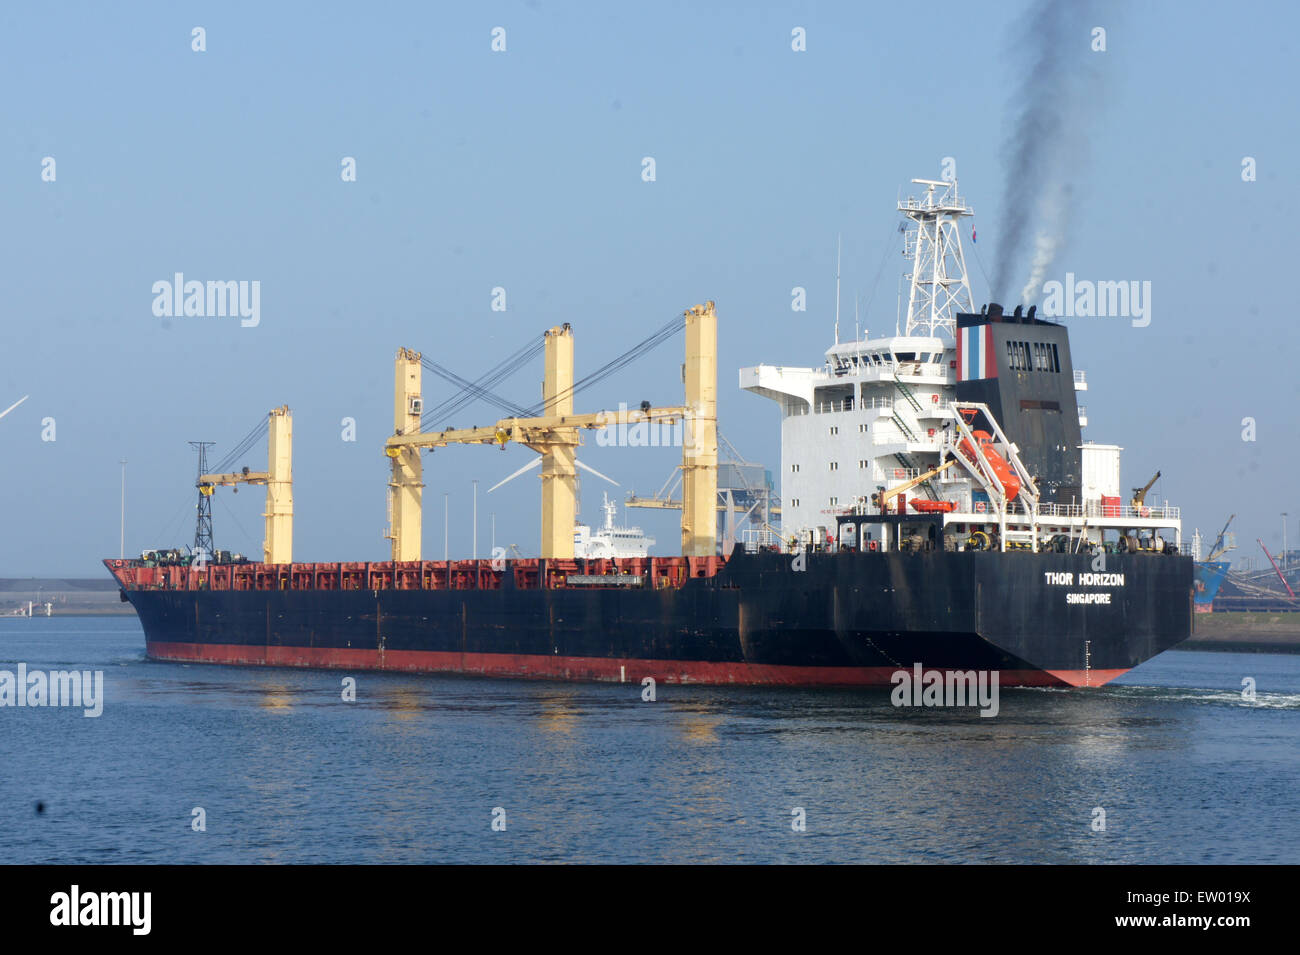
538	666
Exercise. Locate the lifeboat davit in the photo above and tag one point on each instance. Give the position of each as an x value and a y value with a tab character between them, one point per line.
997	464
934	507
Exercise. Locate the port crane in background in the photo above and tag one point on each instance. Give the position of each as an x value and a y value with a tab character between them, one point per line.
1224	542
554	434
743	488
1290	592
277	546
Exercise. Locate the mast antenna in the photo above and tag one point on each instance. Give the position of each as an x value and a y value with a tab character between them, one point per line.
839	247
939	285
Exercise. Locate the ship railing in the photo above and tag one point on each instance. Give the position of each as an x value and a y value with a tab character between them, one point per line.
1061	510
755	539
1080	377
848	404
845	404
1127	511
926	442
1111	511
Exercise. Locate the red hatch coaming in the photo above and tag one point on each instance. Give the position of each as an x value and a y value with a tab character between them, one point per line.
528	574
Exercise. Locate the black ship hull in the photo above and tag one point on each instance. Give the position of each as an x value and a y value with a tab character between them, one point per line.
849	618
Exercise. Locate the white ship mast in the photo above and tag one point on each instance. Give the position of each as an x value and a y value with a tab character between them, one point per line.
939	287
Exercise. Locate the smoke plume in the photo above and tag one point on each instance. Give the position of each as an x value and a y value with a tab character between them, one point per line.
1057	95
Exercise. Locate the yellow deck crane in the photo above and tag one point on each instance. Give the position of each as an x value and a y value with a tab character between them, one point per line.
277	548
1140	493
884	498
554	435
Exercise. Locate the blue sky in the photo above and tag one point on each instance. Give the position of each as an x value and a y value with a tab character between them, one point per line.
522	170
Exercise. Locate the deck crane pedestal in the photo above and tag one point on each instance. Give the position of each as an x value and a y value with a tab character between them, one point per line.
277	547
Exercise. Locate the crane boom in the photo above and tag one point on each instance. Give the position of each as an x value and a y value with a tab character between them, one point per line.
536	433
1140	493
886	497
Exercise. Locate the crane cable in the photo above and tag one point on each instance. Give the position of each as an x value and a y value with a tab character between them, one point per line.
243	447
480	388
639	350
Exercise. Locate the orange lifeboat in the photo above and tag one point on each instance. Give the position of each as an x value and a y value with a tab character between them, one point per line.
997	464
934	507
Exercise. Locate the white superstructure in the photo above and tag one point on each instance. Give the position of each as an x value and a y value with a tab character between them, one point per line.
873	415
881	411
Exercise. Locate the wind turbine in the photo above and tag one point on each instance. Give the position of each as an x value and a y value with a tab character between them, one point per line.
535	462
14	405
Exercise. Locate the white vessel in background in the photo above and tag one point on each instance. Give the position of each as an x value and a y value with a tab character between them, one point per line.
610	540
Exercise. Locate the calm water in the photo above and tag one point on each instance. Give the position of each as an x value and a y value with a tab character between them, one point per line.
411	772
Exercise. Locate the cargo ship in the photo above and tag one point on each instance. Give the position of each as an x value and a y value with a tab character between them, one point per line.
1209	570
939	508
1210	575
